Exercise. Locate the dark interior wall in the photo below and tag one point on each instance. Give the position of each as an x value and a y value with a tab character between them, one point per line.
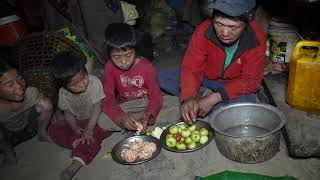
299	12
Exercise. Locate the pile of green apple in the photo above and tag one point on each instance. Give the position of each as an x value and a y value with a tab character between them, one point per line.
183	136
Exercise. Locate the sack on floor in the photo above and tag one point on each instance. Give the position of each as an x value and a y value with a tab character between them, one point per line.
232	175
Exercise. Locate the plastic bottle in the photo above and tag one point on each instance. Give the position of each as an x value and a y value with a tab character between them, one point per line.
303	91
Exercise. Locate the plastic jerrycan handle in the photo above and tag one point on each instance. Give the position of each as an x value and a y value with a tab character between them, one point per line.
298	48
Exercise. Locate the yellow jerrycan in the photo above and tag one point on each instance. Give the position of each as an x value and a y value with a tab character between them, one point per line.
303	91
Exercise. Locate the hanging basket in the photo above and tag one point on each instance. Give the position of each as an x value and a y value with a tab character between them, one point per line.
34	54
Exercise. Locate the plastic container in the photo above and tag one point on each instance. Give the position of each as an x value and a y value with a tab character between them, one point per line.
283	38
303	91
12	29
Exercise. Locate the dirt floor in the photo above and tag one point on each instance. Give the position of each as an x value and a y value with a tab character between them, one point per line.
39	161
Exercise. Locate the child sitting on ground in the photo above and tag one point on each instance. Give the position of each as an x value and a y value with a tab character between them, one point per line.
80	99
134	80
24	112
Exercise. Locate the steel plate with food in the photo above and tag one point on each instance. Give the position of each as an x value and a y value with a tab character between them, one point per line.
136	150
181	137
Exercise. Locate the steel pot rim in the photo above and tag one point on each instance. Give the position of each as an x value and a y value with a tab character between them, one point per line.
232	105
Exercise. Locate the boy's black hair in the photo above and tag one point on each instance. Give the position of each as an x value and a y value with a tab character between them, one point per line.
4	66
120	36
65	65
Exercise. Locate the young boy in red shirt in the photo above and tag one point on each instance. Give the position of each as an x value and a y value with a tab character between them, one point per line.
133	96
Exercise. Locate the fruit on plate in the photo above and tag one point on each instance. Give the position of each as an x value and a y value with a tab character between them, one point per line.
182	139
183	126
185	133
183	136
174	129
149	132
203	139
188	140
195	131
178	137
169	135
192	145
195	137
181	146
171	142
192	127
204	132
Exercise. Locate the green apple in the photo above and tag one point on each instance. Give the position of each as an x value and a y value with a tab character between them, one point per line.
180	146
204	139
188	140
204	132
182	139
192	145
171	142
174	129
169	135
192	127
195	137
185	133
149	132
183	125
195	132
180	129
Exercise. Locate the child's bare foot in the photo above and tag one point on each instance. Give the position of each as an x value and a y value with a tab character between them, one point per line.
70	171
67	174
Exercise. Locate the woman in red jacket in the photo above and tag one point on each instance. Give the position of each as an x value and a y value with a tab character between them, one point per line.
225	54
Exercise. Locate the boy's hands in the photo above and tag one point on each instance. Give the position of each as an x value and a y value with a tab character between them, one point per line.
128	122
130	119
144	121
145	117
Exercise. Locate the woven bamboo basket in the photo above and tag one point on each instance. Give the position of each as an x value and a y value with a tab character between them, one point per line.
34	54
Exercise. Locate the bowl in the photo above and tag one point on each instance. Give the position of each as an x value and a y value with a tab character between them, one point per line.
116	150
200	124
247	132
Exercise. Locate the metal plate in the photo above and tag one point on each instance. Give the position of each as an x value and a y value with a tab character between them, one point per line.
116	150
200	124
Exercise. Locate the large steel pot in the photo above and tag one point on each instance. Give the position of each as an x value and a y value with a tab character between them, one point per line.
247	132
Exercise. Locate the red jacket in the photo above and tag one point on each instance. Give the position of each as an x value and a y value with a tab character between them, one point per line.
205	57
